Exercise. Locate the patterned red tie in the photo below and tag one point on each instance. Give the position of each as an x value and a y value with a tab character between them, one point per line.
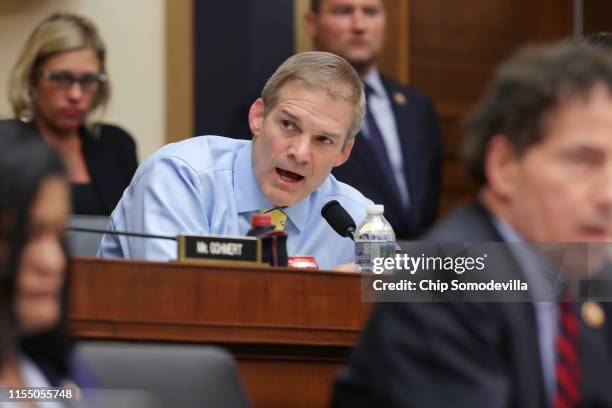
567	368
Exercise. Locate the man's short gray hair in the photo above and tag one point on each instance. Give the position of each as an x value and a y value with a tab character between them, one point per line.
319	71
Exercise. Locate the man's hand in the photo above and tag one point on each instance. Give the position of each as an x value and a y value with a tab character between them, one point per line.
347	267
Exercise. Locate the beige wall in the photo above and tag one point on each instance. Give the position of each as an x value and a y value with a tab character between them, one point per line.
301	40
135	36
179	70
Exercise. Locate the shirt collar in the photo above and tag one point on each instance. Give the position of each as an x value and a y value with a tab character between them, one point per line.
247	193
250	198
508	233
544	281
373	79
298	212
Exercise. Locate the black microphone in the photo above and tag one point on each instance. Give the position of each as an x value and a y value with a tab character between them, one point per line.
340	220
129	234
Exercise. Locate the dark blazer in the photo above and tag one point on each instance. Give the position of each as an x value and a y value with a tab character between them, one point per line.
110	155
462	354
420	139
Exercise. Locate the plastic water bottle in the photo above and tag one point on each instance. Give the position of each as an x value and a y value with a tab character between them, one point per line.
375	238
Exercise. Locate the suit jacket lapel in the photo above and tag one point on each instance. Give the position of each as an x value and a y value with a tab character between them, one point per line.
403	121
522	322
98	171
363	155
519	341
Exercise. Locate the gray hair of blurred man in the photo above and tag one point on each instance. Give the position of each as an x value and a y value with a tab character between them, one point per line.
525	90
602	40
322	72
57	33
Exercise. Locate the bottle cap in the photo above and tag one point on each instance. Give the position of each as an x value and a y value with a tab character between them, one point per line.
376	209
261	220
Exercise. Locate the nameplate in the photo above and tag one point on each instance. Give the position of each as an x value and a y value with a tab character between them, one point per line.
217	247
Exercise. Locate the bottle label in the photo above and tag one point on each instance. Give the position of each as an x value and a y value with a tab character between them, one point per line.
366	252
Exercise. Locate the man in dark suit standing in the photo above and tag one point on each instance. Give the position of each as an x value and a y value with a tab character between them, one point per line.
540	145
396	160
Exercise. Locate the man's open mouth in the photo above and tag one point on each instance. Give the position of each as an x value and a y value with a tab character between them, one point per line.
289	176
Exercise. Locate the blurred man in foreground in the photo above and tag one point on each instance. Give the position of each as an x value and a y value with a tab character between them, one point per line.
303	125
540	145
396	160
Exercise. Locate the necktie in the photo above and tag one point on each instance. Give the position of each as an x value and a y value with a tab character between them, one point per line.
567	367
279	219
377	143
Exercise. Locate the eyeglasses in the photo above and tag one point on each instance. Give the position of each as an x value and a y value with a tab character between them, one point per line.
64	80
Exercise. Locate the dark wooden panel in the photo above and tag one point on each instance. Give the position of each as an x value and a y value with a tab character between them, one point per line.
394	61
290	330
597	16
450	83
459	32
455	178
454	48
543	20
274	383
450	200
452	136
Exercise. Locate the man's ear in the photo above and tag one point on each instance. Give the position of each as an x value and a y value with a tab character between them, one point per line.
345	153
310	21
502	166
256	116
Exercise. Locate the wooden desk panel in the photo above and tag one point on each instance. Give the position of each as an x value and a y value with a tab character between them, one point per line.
290	330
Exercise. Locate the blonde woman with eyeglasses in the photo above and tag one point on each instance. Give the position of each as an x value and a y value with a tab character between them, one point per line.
57	87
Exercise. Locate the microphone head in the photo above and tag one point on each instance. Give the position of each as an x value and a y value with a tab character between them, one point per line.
340	220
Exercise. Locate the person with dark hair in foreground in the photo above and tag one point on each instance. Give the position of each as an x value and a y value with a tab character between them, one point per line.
540	145
35	348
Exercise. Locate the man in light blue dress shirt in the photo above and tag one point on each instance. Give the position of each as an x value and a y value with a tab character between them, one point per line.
303	126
